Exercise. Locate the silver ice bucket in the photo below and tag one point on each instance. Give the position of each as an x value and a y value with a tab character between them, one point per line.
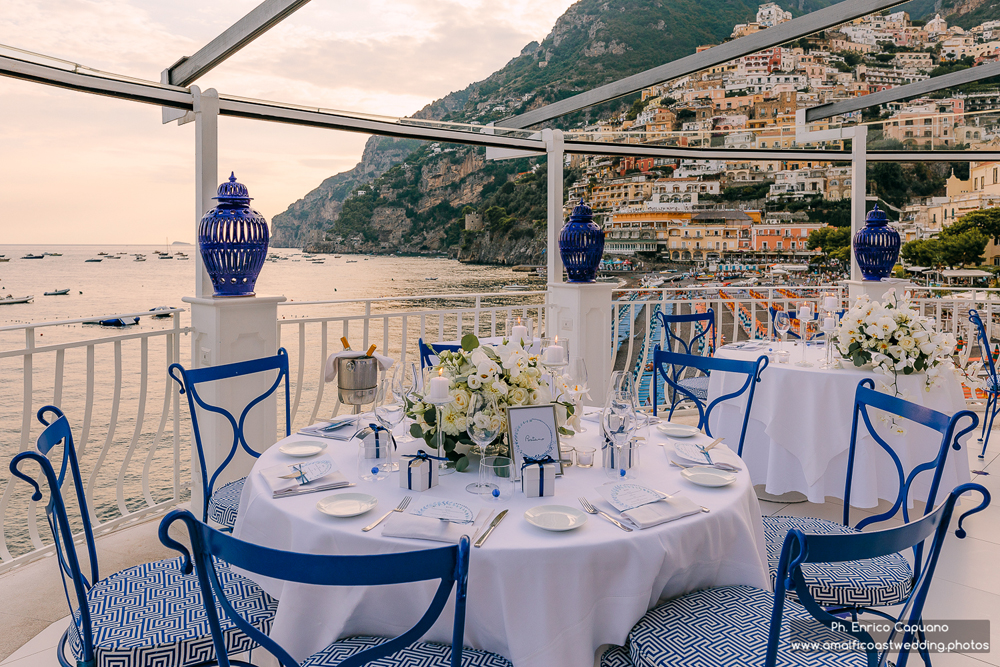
356	380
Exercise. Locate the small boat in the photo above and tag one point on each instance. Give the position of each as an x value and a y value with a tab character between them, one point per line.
166	256
139	259
350	261
183	258
430	278
515	288
156	311
114	322
58	292
102	253
8	300
4	259
53	254
336	256
30	256
94	259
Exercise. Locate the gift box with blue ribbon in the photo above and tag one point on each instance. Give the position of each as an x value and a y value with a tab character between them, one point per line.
378	441
538	477
618	457
421	472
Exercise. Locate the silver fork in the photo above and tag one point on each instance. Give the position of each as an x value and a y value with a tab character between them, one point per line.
590	509
399	508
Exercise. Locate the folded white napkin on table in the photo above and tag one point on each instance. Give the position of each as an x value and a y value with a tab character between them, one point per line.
340	428
321	474
384	362
653	514
403	524
686	454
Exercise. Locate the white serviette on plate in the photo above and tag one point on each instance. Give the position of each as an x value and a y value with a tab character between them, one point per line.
384	362
653	514
720	454
403	524
281	488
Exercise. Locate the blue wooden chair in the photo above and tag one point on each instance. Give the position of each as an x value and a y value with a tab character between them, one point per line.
150	614
888	580
751	627
429	352
702	343
992	381
673	365
220	505
448	564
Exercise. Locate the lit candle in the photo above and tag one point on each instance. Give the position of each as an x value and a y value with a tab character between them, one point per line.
829	324
830	303
440	386
554	354
805	314
519	332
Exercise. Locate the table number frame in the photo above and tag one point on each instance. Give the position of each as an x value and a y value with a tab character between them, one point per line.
520	415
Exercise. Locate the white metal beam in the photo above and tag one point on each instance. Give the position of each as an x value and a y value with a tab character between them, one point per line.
828	17
206	158
260	19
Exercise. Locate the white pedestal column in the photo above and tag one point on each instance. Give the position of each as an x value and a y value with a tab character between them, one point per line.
876	289
581	313
228	330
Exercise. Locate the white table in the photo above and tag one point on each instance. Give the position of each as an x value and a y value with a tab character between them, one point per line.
540	599
800	430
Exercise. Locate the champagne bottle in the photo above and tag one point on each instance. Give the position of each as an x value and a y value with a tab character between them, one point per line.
347	346
371	350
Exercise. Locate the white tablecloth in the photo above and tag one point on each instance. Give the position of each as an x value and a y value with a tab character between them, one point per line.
800	430
540	599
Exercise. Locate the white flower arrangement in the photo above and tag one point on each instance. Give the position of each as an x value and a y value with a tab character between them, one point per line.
895	339
507	373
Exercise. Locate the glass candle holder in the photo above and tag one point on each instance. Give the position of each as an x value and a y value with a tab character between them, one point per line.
568	455
512	330
585	456
555	352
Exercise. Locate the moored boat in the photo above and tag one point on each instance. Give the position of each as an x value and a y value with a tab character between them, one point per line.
94	259
114	322
58	292
8	300
30	256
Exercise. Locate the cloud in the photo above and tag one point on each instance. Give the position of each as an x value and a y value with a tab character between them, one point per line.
87	169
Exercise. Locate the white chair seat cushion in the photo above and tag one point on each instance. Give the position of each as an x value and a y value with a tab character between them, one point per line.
420	654
225	502
697	386
616	656
727	626
886	580
152	615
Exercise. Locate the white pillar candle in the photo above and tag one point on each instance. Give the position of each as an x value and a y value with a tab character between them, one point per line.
830	303
554	354
805	313
519	333
439	387
829	324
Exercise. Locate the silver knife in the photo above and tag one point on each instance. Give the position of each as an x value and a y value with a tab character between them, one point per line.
484	526
489	530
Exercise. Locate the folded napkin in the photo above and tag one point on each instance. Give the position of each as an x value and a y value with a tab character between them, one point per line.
653	514
341	428
687	454
384	362
321	475
403	524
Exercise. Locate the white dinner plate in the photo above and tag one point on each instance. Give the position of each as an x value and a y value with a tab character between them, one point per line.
347	504
302	448
705	476
677	430
555	517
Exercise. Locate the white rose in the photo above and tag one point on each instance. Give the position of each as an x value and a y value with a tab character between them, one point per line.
518	396
475	382
907	343
461	398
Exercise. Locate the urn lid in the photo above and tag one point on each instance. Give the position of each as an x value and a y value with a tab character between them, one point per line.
233	192
581	213
876	217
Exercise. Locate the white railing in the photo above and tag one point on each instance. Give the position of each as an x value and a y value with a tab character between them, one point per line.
394	324
127	434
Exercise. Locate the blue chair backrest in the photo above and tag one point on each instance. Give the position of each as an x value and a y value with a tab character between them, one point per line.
189	381
987	350
800	548
427	351
449	564
948	426
75	582
672	365
703	336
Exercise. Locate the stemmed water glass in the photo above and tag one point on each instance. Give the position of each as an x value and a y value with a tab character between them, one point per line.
782	324
404	388
619	422
389	409
483	426
578	387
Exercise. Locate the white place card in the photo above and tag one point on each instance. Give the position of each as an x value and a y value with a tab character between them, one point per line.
624	496
446	510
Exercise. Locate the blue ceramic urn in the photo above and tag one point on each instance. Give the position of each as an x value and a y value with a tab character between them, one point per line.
581	245
233	239
876	246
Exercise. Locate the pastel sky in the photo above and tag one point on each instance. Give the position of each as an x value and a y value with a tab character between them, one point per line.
79	168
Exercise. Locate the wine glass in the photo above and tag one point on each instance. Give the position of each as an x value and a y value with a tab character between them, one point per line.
618	421
483	425
389	410
403	388
782	324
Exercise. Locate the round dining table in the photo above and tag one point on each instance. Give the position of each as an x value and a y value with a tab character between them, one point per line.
538	598
799	432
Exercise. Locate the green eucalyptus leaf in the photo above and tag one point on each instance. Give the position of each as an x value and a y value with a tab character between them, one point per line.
469	342
416	431
565	431
462	464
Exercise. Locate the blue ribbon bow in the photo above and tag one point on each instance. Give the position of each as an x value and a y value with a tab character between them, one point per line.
375	429
540	462
421	455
